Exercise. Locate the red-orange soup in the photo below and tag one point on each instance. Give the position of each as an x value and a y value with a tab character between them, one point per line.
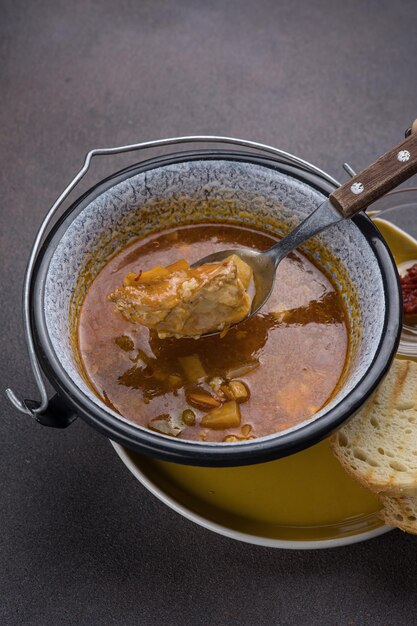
289	357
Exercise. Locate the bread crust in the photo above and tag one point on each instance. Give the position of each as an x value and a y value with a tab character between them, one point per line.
378	446
400	512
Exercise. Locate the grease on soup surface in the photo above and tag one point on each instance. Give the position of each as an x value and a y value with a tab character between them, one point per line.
266	374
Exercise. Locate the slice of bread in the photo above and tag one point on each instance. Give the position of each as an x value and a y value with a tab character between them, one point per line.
378	446
400	512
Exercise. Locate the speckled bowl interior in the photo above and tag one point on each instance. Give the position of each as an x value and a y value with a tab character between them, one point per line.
198	190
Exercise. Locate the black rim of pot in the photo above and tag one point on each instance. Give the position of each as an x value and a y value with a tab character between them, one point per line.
147	442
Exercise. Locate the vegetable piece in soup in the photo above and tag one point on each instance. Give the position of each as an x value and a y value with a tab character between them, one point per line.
264	375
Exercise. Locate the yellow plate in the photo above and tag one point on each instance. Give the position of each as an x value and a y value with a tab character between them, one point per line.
302	501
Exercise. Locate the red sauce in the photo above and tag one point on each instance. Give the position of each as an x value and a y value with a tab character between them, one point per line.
409	289
290	356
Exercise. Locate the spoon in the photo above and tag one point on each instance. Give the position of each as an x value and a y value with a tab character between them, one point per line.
387	172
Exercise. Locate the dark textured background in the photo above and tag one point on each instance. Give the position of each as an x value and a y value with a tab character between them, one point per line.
81	542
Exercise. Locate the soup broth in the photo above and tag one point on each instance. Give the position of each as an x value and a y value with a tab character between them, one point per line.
288	359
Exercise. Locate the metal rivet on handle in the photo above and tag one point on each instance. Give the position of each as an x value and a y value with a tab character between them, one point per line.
403	156
357	188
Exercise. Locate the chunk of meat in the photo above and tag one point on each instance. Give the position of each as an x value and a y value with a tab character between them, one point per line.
181	301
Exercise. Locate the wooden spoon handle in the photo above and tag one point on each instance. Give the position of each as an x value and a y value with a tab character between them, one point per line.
391	169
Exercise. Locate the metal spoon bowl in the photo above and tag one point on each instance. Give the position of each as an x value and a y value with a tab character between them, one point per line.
386	173
264	264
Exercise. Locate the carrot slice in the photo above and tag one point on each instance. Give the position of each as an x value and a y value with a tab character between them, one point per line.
178	266
150	276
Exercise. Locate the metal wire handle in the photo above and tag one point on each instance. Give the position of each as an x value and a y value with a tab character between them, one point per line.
31	407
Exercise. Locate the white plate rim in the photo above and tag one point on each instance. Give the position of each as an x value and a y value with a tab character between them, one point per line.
246	537
234	534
